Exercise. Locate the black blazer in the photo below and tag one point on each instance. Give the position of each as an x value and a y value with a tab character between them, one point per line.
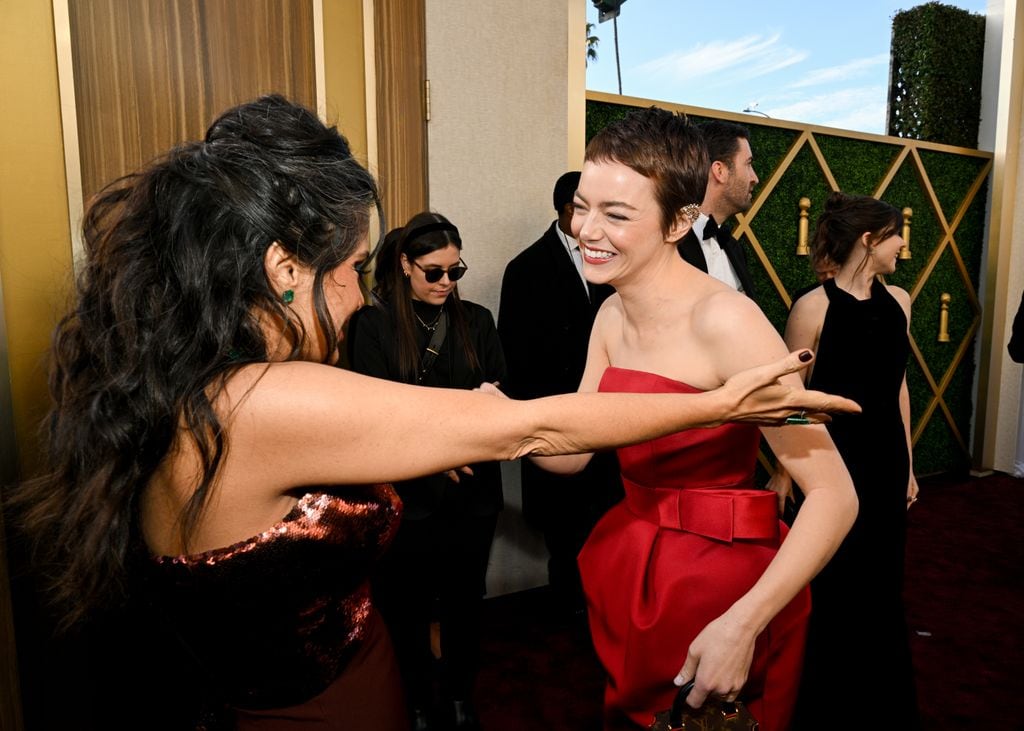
544	320
690	250
1016	345
373	351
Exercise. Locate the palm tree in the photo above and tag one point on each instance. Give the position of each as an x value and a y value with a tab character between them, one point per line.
592	42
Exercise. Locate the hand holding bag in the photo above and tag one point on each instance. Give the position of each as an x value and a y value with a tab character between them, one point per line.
714	715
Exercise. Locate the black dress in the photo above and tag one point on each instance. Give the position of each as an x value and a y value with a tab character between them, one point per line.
437	566
857	647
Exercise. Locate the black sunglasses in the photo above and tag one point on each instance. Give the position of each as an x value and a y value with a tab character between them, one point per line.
433	274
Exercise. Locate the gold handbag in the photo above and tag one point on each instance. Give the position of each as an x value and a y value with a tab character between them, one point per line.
714	715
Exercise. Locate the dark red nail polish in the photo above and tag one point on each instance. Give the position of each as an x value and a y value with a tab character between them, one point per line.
806	356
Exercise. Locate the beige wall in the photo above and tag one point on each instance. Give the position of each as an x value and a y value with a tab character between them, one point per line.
498	128
498	136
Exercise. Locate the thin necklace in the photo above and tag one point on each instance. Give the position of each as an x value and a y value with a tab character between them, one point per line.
433	325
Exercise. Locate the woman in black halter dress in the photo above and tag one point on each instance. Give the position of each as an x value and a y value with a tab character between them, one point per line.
857	642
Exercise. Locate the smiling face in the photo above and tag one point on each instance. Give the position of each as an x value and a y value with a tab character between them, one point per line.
885	252
434	293
618	222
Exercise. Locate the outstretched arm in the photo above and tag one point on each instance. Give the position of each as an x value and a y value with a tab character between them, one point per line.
308	424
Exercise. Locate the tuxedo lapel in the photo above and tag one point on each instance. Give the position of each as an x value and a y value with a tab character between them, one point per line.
689	248
738	258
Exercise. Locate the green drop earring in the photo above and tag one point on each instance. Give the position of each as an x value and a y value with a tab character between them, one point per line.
288	296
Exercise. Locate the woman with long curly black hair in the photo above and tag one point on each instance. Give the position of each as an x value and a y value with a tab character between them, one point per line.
204	453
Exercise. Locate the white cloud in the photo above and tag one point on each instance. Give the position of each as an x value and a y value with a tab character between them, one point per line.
849	70
756	54
861	108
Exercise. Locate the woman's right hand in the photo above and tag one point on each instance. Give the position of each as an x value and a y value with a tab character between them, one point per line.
756	396
782	485
491	388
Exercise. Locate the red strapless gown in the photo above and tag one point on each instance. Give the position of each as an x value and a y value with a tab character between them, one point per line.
690	538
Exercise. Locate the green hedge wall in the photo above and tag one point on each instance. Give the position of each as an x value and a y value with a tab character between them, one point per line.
935	74
860	166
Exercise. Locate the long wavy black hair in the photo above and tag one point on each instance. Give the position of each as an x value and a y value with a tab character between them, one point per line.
168	306
393	290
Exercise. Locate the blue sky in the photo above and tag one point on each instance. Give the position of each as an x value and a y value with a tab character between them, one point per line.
820	62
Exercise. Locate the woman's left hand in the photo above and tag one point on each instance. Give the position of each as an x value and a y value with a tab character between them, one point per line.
912	490
720	658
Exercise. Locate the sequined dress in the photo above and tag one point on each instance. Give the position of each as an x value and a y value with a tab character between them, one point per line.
691	537
281	625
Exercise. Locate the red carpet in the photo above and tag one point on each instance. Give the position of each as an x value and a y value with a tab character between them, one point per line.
965	608
964	594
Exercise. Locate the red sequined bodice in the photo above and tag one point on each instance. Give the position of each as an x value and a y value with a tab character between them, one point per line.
273	619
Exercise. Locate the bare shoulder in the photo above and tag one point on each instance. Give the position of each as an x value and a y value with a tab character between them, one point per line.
902	298
609	315
900	295
734	333
725	312
811	305
260	395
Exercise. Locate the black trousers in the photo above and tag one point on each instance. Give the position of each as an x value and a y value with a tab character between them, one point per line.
435	571
565	508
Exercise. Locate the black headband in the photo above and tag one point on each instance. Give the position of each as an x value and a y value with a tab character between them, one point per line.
431	227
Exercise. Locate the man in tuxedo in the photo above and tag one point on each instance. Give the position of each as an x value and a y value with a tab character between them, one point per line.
709	245
545	315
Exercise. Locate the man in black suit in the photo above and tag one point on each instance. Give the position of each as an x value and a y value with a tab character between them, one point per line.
546	312
709	245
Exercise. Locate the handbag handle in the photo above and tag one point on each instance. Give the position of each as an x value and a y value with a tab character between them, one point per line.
679	705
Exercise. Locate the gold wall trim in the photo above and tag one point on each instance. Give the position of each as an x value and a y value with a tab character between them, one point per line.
632	101
891	173
832	182
69	128
370	87
319	64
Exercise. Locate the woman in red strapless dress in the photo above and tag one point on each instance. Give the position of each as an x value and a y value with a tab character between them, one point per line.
693	574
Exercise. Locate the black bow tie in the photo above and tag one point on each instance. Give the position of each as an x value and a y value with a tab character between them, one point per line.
713	231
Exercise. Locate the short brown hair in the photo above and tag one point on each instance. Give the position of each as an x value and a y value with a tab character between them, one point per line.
663	147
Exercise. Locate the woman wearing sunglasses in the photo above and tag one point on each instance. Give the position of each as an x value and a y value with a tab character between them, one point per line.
422	332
